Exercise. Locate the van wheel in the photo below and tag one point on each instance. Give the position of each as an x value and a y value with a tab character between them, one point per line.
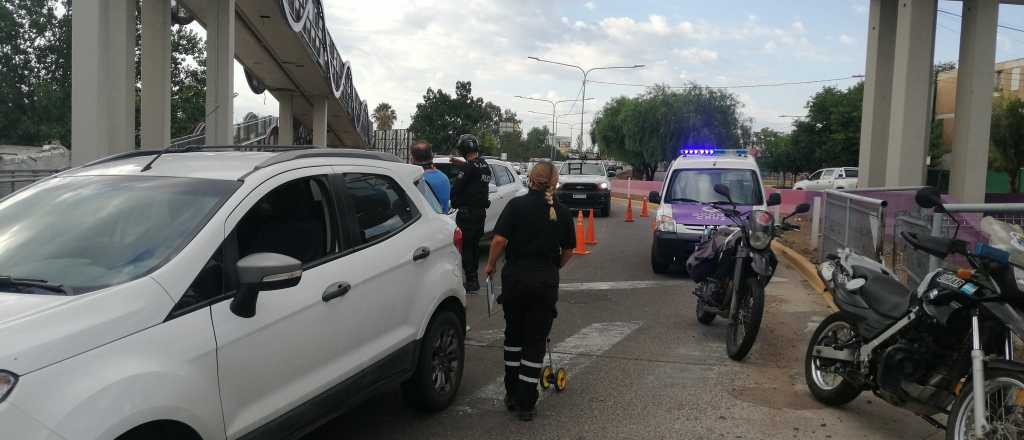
439	366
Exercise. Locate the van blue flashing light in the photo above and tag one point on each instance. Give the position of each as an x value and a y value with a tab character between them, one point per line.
711	152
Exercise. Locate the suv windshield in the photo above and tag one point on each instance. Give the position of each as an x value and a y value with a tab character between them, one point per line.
698	185
580	168
91	232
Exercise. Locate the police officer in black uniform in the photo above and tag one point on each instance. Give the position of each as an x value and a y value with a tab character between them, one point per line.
470	197
537	237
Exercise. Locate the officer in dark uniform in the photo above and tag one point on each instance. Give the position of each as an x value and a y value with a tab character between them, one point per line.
470	197
537	237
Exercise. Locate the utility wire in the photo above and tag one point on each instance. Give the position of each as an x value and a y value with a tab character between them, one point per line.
1012	28
742	86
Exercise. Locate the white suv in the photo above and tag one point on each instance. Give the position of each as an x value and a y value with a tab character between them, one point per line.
829	178
208	293
505	185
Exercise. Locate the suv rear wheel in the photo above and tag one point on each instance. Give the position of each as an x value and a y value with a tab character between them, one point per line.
439	366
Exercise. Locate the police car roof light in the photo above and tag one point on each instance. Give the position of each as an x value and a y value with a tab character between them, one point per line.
712	152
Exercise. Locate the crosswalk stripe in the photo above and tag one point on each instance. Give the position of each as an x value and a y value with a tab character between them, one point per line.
573	354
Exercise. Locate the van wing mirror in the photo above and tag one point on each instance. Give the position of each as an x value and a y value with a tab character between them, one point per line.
774	199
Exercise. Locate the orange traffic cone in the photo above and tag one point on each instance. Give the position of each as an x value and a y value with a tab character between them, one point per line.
643	209
629	210
591	231
581	241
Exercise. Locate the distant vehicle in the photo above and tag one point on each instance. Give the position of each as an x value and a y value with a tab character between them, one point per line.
585	184
505	185
683	216
829	178
209	293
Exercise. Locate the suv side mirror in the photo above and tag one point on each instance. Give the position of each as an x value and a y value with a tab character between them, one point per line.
774	199
654	197
263	271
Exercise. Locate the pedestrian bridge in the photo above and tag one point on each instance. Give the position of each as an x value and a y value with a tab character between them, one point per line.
283	45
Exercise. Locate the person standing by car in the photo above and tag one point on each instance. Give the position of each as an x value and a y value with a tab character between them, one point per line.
470	197
537	237
420	154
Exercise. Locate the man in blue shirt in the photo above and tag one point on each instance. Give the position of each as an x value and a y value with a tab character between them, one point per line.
420	154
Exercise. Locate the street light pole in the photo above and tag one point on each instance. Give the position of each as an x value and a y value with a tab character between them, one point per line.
585	72
554	107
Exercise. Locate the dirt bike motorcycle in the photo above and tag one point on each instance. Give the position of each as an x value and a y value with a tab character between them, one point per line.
942	349
744	252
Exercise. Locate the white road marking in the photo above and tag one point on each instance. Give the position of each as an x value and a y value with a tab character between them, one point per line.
573	354
618	285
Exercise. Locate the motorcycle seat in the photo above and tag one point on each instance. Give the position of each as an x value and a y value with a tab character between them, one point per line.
886	296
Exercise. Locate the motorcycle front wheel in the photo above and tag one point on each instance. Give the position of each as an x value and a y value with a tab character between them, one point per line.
703	316
1004	406
826	385
742	331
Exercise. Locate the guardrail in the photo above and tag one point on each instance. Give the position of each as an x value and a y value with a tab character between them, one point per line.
852	221
13	180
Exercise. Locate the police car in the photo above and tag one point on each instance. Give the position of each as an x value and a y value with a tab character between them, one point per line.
689	184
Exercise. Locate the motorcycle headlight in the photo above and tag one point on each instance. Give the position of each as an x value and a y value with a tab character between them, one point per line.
826	270
7	382
760	226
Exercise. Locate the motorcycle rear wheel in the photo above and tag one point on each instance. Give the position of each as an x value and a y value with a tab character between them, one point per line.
742	331
1004	395
828	387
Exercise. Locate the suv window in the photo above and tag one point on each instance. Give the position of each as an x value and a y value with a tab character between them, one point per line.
851	172
428	193
501	177
294	219
828	174
815	176
381	207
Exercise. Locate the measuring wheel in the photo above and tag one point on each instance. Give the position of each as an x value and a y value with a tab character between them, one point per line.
561	380
547	377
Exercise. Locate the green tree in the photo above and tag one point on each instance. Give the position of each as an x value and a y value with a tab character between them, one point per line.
441	118
1007	152
384	116
830	133
651	128
537	142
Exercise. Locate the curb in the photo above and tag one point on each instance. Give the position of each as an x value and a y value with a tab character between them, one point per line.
806	268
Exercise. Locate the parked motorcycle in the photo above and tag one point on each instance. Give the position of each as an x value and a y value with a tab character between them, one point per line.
942	349
740	266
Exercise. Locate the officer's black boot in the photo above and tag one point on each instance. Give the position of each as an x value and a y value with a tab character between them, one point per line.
510	403
472	284
527	415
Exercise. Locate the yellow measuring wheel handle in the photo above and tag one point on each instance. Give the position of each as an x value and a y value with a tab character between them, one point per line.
561	380
546	376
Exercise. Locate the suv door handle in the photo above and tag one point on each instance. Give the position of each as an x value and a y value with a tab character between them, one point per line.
420	254
336	290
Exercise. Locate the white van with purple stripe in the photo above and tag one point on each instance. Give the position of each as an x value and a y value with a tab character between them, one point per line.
682	216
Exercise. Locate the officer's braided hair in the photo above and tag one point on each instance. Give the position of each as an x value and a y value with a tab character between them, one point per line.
544	177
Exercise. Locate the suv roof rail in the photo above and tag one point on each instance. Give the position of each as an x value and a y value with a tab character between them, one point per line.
193	148
285	153
327	152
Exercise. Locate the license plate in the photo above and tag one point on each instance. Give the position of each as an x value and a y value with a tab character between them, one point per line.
579	196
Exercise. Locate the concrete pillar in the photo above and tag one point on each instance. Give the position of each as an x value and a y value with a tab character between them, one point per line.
103	79
285	119
910	121
974	101
874	128
319	120
220	70
156	74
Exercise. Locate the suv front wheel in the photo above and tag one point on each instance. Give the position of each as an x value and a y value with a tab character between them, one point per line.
439	366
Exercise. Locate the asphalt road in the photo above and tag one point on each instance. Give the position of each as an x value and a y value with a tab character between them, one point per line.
641	367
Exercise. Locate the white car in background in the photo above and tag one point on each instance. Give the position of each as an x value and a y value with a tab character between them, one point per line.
207	293
505	185
829	178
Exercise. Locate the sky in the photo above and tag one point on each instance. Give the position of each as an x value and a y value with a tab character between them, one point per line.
399	48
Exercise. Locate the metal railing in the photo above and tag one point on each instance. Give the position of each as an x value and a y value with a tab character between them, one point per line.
852	221
253	132
13	180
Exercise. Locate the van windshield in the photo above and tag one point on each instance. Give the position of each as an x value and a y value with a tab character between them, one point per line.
698	185
91	232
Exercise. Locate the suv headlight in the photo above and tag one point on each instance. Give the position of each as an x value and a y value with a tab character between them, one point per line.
558	185
7	382
603	185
